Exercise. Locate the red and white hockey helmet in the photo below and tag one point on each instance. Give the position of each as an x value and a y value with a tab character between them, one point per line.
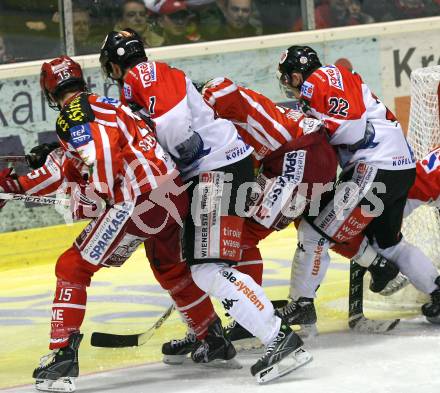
59	74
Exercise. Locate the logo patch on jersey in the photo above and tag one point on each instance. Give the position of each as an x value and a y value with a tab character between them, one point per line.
80	135
128	94
334	77
109	100
431	162
307	89
147	72
293	166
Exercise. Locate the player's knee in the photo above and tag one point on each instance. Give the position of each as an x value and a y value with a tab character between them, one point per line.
71	267
173	277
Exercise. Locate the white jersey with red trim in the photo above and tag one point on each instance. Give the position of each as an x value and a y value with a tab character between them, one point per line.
186	125
260	122
119	150
357	121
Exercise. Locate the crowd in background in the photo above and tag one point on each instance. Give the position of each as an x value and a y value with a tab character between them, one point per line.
30	29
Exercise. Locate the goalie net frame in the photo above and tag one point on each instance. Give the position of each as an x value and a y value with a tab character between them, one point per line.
422	226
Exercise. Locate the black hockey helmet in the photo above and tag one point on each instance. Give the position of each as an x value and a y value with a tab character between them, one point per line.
124	48
299	58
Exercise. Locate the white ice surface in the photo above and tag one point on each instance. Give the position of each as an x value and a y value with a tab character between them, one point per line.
406	360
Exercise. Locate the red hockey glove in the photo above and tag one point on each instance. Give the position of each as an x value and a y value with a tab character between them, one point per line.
8	184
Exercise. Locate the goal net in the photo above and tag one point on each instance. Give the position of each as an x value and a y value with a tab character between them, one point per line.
422	227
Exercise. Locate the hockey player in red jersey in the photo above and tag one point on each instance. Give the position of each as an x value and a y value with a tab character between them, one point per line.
273	131
216	162
373	152
120	175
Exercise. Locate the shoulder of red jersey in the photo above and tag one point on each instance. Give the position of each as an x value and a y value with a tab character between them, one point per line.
73	122
75	114
325	78
218	87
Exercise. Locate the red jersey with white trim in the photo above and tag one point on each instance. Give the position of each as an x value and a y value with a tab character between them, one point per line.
260	122
357	121
119	150
47	179
426	187
186	125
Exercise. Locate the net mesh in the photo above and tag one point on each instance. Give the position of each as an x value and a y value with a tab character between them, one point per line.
422	227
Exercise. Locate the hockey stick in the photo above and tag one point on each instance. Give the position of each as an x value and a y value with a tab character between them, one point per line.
14	159
34	199
356	318
108	340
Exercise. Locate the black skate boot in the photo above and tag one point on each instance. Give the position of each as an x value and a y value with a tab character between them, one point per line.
243	339
176	351
215	350
58	370
431	310
283	355
300	312
386	278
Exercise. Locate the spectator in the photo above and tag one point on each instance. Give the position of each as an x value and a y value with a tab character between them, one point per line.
81	32
278	16
5	57
154	5
384	11
337	13
135	15
237	19
177	23
409	9
356	15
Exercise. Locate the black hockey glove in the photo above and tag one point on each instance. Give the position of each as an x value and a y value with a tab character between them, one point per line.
37	156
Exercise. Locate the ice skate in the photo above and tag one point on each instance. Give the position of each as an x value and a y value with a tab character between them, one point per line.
241	338
300	312
215	350
385	277
283	355
58	370
431	310
176	351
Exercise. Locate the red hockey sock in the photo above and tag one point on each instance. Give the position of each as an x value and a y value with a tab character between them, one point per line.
68	309
251	264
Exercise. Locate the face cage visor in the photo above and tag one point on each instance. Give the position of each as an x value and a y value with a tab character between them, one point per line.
283	83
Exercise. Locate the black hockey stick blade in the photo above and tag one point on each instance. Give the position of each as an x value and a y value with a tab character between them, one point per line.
356	318
108	340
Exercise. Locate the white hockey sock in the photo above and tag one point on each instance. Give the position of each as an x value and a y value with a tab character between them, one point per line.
242	298
413	263
310	262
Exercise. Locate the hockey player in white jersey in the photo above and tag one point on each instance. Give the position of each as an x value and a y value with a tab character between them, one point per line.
372	149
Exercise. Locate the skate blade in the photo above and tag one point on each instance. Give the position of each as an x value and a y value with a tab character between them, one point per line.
66	384
290	363
174	360
247	344
307	331
231	364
